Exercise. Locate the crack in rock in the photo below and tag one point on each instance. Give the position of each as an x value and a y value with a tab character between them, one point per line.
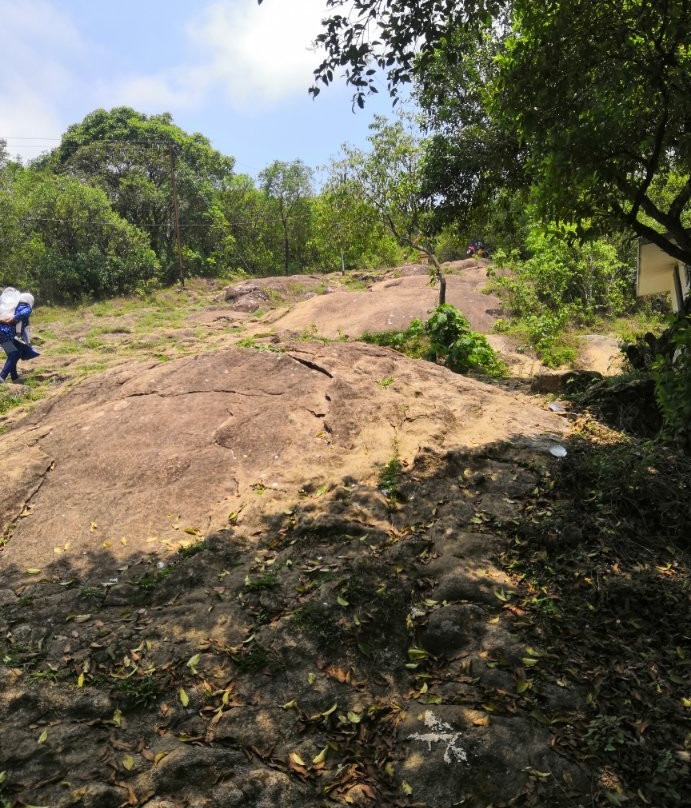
260	394
311	365
27	501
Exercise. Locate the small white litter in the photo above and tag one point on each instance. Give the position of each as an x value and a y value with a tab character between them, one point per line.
557	450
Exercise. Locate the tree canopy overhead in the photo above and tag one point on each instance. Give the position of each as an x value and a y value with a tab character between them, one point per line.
595	98
391	35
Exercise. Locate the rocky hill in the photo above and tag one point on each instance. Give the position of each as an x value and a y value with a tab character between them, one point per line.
276	575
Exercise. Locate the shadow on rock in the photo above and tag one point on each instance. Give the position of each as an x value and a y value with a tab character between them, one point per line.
365	641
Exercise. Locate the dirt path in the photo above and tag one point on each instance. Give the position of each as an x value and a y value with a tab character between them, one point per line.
240	569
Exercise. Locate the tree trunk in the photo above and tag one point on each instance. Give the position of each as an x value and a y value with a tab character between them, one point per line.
440	277
442	289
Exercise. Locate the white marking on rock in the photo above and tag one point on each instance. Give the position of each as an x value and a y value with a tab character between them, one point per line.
441	732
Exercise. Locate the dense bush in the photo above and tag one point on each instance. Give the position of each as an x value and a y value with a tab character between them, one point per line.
73	244
561	284
445	338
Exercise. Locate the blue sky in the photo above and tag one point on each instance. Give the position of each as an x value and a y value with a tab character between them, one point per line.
233	70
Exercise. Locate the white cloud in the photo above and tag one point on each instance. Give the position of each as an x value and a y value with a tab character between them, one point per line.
261	52
239	54
255	55
40	50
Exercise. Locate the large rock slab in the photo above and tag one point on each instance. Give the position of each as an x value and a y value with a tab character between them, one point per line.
151	455
392	303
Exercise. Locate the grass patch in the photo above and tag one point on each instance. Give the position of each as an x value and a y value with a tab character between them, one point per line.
256	658
192	549
137	691
631	327
321	625
109	329
389	476
10	400
269	580
91	367
554	346
249	342
353	284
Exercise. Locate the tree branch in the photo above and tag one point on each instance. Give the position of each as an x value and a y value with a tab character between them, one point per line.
680	200
662	240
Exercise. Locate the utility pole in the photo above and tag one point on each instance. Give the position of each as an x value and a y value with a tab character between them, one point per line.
181	271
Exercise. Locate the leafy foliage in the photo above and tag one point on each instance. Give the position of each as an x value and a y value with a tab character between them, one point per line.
390	178
459	348
72	243
673	387
129	156
445	338
345	226
599	96
561	284
590	104
288	186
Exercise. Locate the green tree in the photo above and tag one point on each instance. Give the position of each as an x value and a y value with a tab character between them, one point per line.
390	177
65	241
600	96
346	231
128	155
252	224
596	96
289	187
469	160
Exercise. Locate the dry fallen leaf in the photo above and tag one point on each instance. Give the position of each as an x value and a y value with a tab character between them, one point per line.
321	757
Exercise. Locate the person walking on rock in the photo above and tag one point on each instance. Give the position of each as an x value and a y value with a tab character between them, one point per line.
12	325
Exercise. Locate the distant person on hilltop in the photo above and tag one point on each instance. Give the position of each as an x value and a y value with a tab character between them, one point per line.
15	311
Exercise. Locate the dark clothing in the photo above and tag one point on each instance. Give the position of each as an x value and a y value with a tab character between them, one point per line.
22	314
10	366
8	331
14	348
25	350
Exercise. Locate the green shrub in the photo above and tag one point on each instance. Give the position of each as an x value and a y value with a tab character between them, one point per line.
673	387
561	284
459	348
412	342
445	338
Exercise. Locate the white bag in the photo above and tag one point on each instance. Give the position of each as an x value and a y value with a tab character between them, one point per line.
9	300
